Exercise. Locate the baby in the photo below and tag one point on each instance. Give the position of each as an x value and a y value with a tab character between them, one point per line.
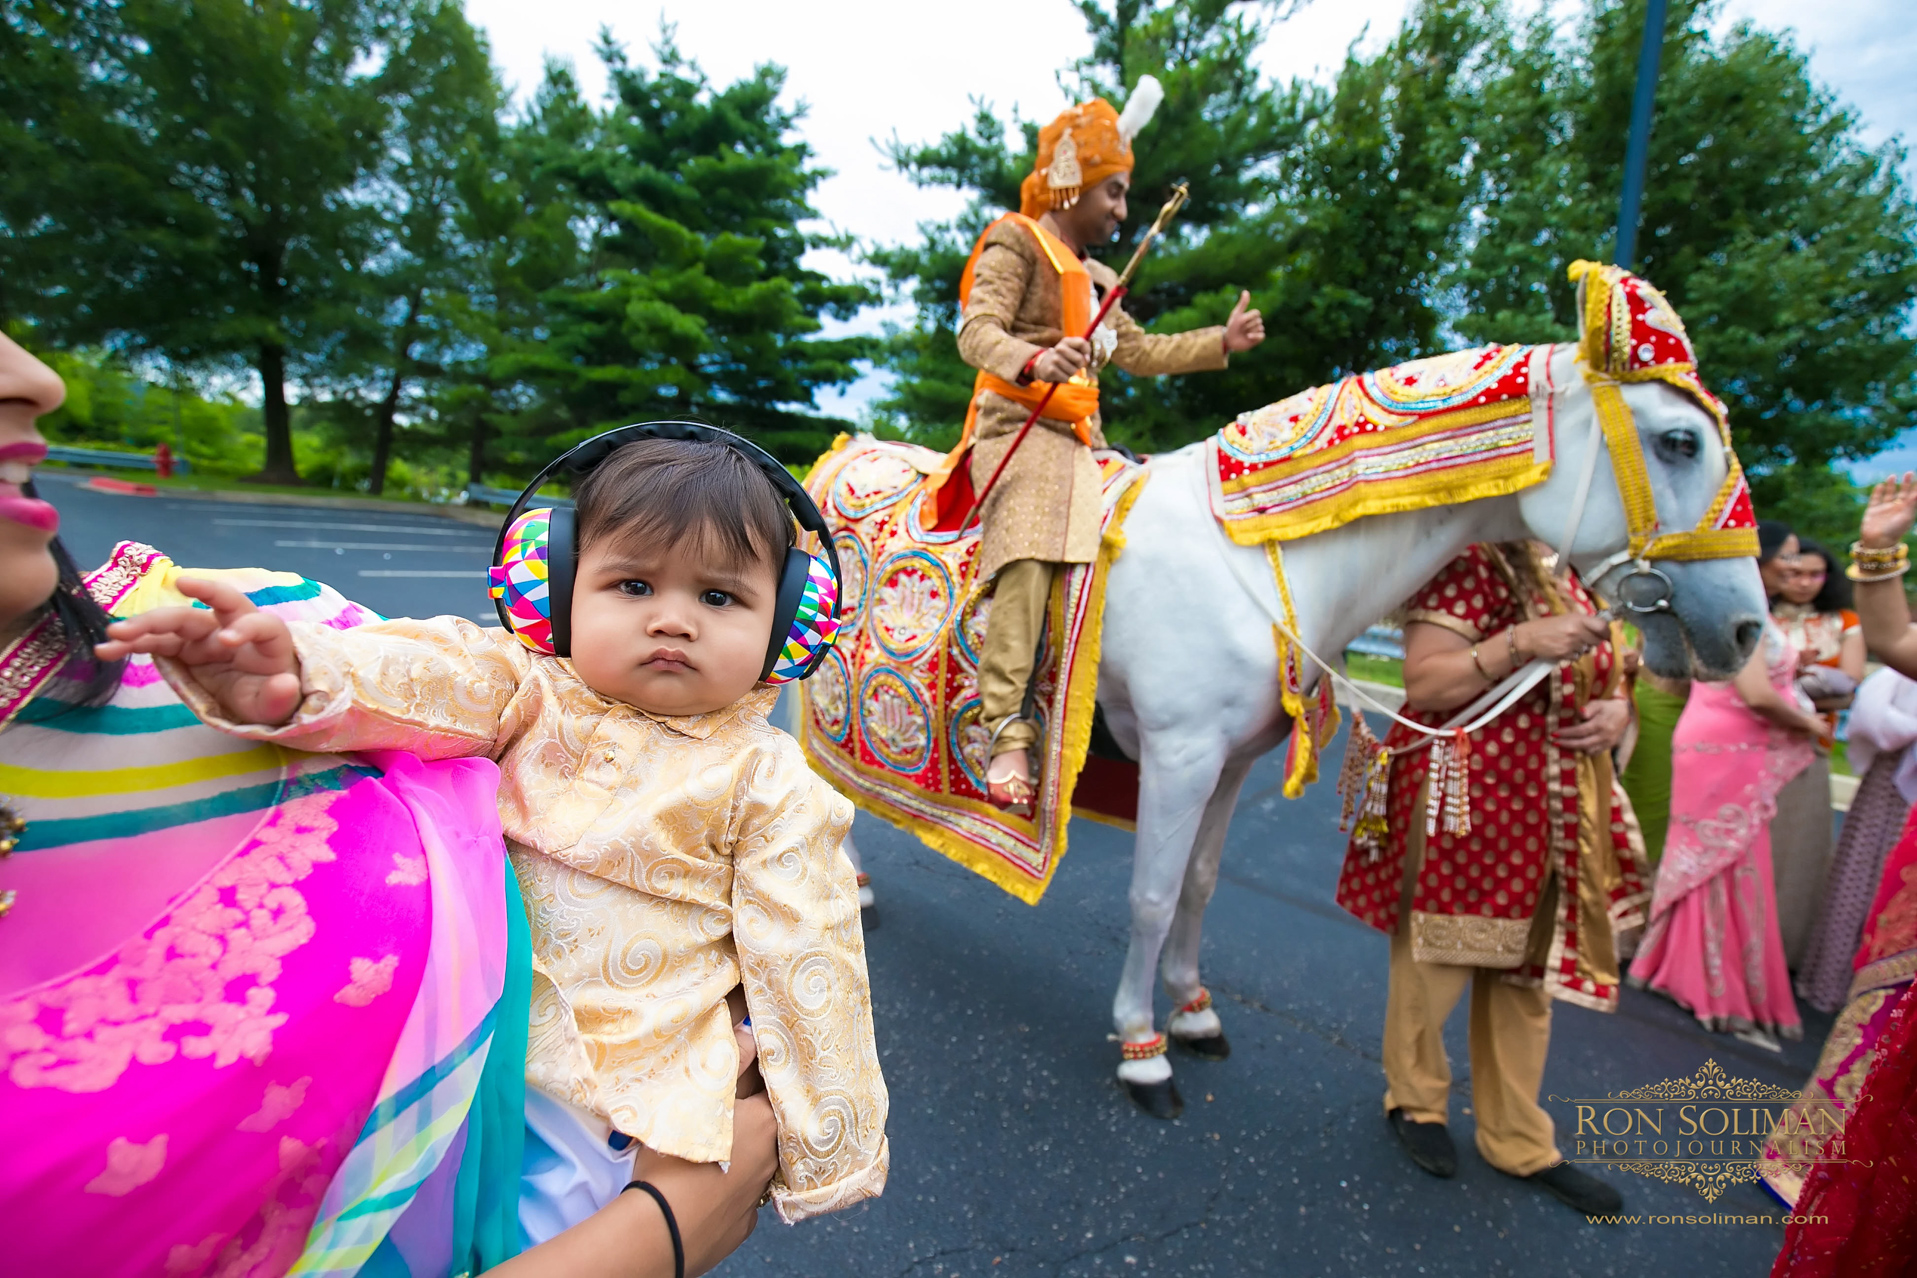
670	843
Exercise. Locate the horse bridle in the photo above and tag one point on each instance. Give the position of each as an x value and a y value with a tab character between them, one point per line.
1605	363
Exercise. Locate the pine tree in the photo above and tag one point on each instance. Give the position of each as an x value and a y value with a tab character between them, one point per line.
699	304
519	219
1220	129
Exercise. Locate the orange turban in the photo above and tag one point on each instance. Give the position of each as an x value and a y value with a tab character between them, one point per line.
1081	148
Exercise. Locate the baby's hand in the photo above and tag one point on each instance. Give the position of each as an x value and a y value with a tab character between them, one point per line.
243	656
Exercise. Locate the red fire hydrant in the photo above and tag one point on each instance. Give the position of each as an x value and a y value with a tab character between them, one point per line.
163	461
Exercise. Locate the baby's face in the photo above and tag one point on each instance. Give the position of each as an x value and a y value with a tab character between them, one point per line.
670	631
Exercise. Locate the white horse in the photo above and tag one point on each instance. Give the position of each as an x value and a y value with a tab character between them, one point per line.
1189	680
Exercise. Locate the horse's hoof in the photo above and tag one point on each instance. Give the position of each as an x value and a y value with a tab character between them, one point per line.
1160	1100
1213	1047
869	918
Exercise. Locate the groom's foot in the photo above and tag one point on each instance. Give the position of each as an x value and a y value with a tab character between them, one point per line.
1008	782
1429	1144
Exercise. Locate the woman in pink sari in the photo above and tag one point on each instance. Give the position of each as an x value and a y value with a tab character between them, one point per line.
1712	944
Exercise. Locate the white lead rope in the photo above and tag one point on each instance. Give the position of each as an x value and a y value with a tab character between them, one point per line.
1505	695
1499	698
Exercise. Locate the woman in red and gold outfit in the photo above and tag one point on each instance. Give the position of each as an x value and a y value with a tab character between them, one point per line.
1856	1215
1516	892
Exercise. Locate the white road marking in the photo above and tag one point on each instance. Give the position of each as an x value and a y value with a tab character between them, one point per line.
418	529
467	573
378	545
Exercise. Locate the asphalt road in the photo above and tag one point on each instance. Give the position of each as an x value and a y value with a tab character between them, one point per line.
399	565
1013	1152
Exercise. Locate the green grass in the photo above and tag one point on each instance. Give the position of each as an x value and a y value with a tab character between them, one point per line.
1375	669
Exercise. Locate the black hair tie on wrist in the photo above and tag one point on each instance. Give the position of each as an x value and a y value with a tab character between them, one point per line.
672	1226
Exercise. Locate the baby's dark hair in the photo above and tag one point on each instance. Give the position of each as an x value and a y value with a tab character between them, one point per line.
665	492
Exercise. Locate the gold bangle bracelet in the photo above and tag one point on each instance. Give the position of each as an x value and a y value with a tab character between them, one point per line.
1865	576
1876	556
1479	665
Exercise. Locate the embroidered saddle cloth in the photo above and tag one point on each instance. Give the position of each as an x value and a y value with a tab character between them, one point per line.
1433	432
892	717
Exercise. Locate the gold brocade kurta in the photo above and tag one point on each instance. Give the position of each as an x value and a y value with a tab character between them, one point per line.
663	862
1046	504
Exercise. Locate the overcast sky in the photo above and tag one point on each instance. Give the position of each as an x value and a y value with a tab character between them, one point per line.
866	70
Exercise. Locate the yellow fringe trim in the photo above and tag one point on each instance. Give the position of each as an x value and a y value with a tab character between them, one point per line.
1417	493
1302	750
1076	743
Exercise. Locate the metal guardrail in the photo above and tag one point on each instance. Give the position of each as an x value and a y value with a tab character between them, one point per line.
116	460
1379	641
482	495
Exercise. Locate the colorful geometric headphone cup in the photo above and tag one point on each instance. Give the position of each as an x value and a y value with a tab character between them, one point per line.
521	581
814	628
532	582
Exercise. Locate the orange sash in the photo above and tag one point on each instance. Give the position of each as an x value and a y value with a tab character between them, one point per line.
1074	401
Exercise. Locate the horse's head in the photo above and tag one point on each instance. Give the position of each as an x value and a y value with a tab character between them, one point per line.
1676	498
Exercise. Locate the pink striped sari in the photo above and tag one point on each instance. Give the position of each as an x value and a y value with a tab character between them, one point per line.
247	995
1712	944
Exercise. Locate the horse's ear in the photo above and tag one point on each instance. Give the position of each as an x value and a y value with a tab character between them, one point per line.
1593	345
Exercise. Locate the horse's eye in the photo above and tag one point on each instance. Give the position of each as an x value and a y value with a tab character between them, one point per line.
1677	443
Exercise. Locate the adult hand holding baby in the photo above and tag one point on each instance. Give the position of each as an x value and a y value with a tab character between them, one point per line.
242	656
716	1208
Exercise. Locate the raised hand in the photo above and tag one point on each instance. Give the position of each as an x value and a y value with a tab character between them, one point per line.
1246	327
243	656
1892	508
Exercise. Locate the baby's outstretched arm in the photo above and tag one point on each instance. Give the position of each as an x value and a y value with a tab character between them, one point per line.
242	656
440	688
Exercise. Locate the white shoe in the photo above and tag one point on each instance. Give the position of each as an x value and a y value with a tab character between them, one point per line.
1758	1038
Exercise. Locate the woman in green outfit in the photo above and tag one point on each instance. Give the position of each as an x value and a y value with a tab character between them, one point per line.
1647	776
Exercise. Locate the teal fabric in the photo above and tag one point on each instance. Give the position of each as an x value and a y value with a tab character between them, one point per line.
486	1211
486	1187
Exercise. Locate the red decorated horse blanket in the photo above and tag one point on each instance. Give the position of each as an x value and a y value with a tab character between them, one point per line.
1433	432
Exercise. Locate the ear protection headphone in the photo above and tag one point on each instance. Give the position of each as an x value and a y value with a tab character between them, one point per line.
537	556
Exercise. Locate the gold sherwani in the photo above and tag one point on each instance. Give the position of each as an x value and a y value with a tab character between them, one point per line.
1046	504
663	862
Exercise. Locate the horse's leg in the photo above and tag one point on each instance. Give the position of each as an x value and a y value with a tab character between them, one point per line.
1173	799
1199	1030
868	904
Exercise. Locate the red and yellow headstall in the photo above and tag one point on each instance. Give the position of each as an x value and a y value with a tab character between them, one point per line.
1631	334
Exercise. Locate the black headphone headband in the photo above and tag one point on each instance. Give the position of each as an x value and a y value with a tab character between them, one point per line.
581	458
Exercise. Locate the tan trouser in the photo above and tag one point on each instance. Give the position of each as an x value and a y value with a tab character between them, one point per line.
1011	641
1510	1034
